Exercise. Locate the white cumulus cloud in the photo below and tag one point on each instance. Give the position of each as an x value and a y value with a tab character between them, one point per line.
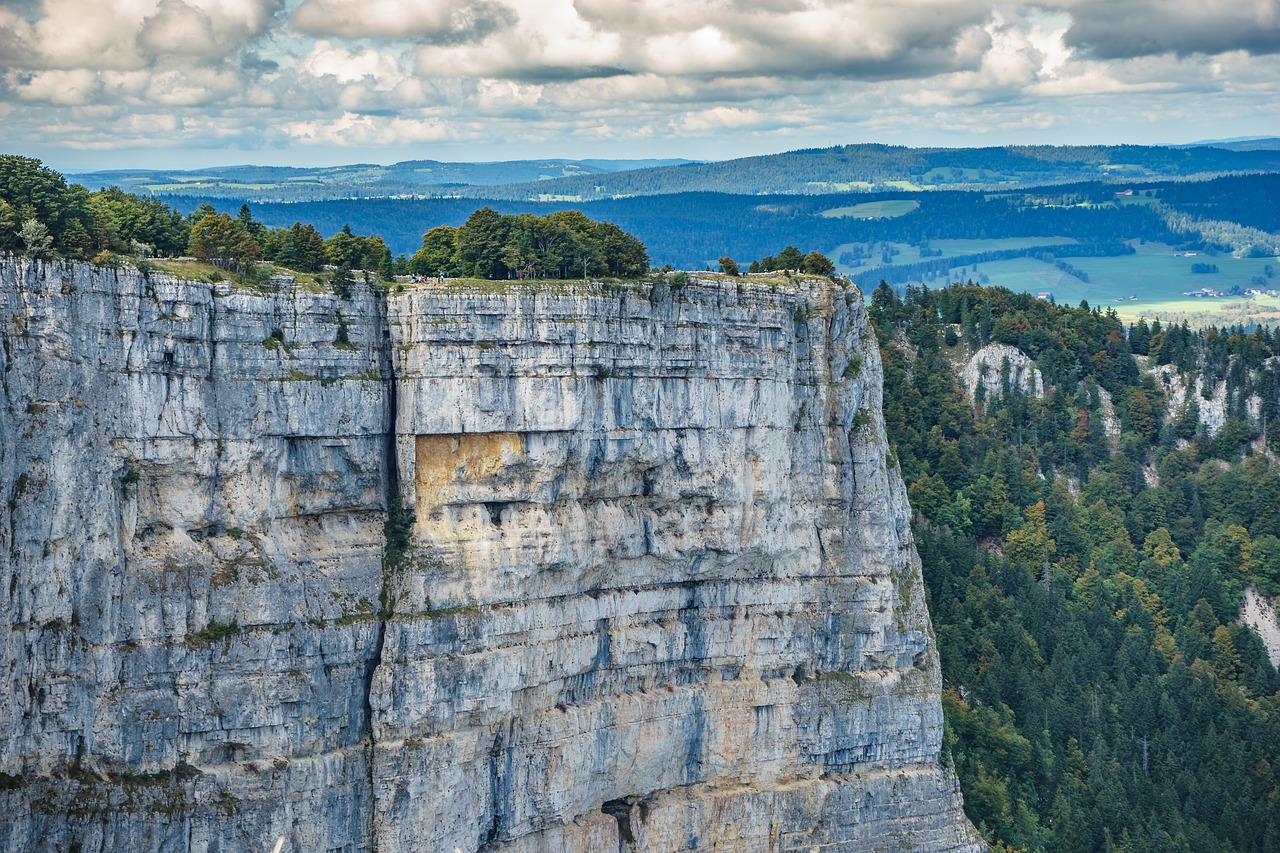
347	73
428	20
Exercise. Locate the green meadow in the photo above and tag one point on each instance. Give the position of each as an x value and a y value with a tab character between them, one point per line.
1154	275
886	209
908	254
969	247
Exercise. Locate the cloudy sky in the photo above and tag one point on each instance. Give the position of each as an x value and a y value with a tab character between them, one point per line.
189	83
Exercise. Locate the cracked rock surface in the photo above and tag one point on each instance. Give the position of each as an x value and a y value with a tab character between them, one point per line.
657	590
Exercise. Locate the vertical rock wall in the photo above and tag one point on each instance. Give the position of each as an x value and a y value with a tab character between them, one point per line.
659	595
190	562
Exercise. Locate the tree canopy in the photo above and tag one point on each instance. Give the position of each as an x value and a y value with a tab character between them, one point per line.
564	244
1084	574
220	240
791	258
43	216
81	224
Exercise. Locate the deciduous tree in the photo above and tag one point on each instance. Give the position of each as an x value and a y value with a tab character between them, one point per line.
220	240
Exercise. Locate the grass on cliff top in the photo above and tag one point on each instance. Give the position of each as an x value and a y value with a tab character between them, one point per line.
188	269
498	286
192	270
673	280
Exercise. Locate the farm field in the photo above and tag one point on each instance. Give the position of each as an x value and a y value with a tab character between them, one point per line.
950	175
908	254
839	186
850	186
969	247
189	185
887	209
1153	274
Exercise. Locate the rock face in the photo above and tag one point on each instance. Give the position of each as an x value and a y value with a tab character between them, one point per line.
579	570
1259	613
996	366
1212	410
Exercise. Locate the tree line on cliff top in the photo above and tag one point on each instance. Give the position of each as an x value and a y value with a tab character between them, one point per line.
43	216
1085	555
564	244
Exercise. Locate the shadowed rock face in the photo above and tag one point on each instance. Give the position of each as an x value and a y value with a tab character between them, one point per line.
659	592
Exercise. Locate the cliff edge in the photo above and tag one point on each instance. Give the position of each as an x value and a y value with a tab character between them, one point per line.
536	568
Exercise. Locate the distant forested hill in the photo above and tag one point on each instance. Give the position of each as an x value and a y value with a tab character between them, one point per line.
875	166
692	229
860	168
360	180
689	230
1247	143
1251	200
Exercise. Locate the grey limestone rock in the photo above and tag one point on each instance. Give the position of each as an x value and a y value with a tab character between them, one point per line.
541	568
997	365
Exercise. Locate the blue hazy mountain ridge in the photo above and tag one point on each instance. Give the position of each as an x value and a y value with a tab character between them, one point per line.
291	183
871	167
1236	143
846	168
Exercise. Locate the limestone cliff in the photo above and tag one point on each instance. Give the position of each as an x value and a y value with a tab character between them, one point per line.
579	569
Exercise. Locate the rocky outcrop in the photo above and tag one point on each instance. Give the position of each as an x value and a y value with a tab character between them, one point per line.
1110	420
563	569
1180	393
996	367
1259	613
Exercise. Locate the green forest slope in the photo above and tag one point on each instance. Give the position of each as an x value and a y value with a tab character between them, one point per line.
1085	581
865	167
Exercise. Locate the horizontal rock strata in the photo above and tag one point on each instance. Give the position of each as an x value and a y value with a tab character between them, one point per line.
535	568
